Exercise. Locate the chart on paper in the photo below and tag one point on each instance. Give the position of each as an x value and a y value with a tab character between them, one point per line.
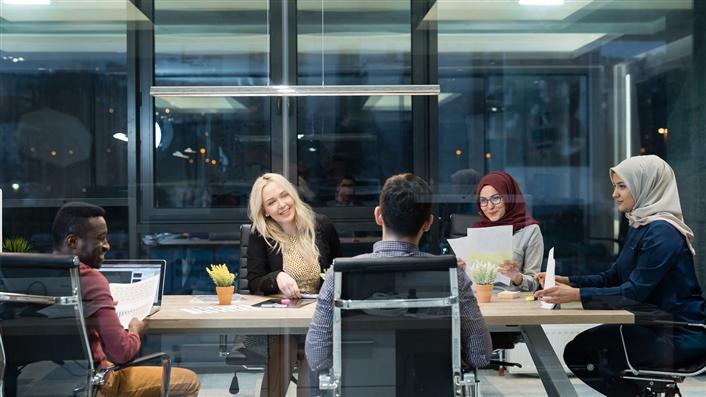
134	300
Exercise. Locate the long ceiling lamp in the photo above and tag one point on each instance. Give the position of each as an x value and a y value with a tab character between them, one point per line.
299	90
295	90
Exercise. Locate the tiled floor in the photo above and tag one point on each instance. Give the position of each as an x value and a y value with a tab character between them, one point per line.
216	385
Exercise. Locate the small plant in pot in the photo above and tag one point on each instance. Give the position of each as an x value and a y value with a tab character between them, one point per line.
223	279
483	275
16	244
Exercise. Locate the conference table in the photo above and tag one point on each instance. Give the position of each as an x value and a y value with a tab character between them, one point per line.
184	314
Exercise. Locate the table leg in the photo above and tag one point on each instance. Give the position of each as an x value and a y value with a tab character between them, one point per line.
556	382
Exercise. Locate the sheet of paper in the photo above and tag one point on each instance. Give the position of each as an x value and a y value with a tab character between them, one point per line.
550	277
134	300
211	298
486	244
219	309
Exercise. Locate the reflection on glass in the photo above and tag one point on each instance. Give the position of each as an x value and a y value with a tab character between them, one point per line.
211	42
348	146
208	151
353	42
63	94
556	105
351	145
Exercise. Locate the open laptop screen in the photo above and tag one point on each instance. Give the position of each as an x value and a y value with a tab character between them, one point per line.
127	271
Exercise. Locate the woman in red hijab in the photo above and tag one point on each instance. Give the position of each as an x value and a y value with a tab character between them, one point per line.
500	202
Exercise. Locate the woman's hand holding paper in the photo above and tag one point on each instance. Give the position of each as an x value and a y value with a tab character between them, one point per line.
560	293
510	269
559	279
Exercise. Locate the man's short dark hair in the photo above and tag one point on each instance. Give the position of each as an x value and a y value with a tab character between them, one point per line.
72	218
405	202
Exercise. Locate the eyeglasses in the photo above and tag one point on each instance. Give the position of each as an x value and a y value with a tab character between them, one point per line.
494	199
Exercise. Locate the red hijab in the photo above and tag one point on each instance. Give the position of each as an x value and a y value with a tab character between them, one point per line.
515	210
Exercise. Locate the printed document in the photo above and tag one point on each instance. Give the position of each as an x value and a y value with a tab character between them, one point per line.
134	300
550	277
485	245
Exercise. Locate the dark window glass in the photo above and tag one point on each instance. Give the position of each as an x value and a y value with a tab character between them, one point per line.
211	42
62	101
556	105
348	146
209	150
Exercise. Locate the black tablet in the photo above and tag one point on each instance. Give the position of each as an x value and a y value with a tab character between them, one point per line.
289	303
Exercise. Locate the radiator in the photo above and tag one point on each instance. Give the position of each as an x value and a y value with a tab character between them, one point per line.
559	336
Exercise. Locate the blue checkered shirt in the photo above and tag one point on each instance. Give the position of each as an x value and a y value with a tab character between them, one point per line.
475	337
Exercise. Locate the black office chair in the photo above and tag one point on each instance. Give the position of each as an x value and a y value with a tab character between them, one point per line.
658	382
459	224
244	355
43	336
396	329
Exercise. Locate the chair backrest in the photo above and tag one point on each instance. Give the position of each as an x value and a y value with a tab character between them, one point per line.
460	224
42	326
394	329
243	287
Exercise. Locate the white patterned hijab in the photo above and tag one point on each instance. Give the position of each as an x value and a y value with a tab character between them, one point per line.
652	184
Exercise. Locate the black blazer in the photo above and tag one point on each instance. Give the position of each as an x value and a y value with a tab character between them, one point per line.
264	263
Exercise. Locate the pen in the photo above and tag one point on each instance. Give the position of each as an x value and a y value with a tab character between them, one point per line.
273	305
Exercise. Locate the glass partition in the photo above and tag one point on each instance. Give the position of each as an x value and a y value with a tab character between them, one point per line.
348	146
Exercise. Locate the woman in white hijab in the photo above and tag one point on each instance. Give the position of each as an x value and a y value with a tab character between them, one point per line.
653	275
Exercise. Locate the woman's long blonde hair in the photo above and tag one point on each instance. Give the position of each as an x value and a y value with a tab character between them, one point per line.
268	228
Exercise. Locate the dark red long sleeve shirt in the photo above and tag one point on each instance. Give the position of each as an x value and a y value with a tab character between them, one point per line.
108	339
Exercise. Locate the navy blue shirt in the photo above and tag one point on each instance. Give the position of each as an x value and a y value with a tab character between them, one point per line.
654	269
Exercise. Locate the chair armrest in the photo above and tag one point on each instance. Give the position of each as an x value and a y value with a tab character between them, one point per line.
166	368
327	381
678	323
468	384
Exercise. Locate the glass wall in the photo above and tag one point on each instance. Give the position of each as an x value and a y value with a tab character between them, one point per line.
557	95
208	151
348	146
63	114
553	95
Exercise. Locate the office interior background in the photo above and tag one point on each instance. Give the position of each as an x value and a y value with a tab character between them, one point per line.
554	95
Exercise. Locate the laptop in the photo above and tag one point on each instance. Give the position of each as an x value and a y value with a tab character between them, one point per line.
127	271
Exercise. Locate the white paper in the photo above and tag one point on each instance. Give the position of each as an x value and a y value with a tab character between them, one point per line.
485	244
211	298
134	300
550	277
219	309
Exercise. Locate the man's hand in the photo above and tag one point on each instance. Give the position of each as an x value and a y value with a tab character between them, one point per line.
461	264
559	279
560	293
287	286
509	269
137	327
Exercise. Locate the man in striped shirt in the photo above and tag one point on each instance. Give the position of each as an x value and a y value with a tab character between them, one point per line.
404	214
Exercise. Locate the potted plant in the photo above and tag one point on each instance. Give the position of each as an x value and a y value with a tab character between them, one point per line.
16	244
223	279
483	275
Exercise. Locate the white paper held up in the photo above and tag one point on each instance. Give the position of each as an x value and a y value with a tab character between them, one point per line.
550	277
485	245
134	300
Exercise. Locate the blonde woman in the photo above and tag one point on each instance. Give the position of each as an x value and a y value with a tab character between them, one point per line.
290	246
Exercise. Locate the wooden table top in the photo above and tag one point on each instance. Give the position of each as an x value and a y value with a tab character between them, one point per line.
172	318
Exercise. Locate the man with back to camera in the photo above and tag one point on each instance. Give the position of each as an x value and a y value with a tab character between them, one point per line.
404	214
80	229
